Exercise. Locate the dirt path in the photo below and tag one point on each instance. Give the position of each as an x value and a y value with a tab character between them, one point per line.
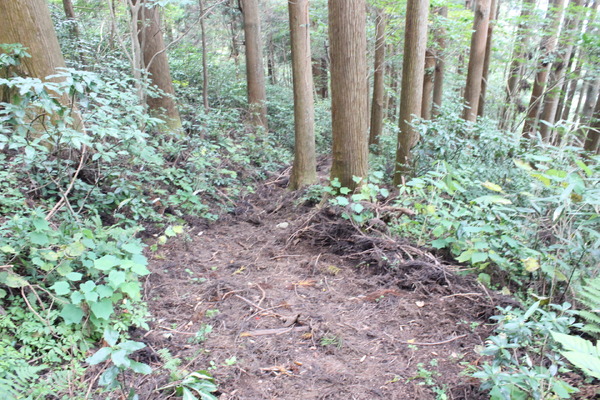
292	320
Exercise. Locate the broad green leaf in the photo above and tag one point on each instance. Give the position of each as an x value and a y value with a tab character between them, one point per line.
492	186
72	314
522	164
342	201
102	309
139	269
106	262
111	336
439	243
104	291
99	356
345	190
358	208
75	249
8	249
116	278
132	290
140	368
39	238
61	288
130	346
465	256
479	257
41	224
87	286
12	280
531	264
74	276
133	248
109	378
120	359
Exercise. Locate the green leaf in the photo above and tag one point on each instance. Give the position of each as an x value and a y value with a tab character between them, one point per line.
479	257
61	288
132	290
77	297
130	346
111	336
132	248
72	314
99	356
75	249
109	378
178	229
120	359
74	276
492	186
358	208
102	309
41	239
140	368
465	256
139	269
116	278
439	243
41	224
104	291
342	201
107	262
8	249
188	395
12	280
87	286
345	190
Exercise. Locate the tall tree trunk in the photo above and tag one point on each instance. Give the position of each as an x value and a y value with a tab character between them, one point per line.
271	60
476	60
349	112
255	74
28	22
413	66
428	81
155	62
377	105
548	45
515	71
587	105
438	81
204	58
557	73
393	91
488	54
304	170
593	134
70	14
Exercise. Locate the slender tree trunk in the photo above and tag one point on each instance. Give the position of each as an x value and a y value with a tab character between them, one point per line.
271	60
587	105
488	54
28	22
204	58
557	73
428	83
349	112
516	66
155	62
476	60
304	170
70	14
255	74
377	105
413	66
393	92
438	81
593	134
569	88
548	45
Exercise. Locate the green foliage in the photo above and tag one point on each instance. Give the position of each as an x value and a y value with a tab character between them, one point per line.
589	296
525	361
194	386
581	353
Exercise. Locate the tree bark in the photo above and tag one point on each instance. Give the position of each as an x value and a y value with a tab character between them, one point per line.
70	14
204	58
548	45
156	64
349	112
377	105
305	164
516	66
476	60
557	73
486	61
28	22
271	73
592	139
413	68
392	108
255	74
438	81
428	81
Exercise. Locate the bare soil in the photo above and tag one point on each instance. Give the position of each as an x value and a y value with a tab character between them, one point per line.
305	305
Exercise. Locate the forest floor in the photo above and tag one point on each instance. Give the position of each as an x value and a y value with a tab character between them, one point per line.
296	312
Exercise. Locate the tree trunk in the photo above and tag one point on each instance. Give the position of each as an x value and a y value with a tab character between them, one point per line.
516	67
587	105
476	60
304	170
156	64
271	73
377	106
488	53
70	14
438	81
393	92
28	22
204	58
413	68
255	73
548	45
557	73
593	135
349	112
428	81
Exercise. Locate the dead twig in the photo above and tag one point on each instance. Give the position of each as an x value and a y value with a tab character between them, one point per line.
434	343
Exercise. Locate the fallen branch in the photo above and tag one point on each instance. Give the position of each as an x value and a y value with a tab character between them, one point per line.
276	331
434	343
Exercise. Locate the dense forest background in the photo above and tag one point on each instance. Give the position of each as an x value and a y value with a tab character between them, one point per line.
470	129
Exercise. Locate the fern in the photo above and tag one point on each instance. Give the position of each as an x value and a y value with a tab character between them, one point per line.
589	296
